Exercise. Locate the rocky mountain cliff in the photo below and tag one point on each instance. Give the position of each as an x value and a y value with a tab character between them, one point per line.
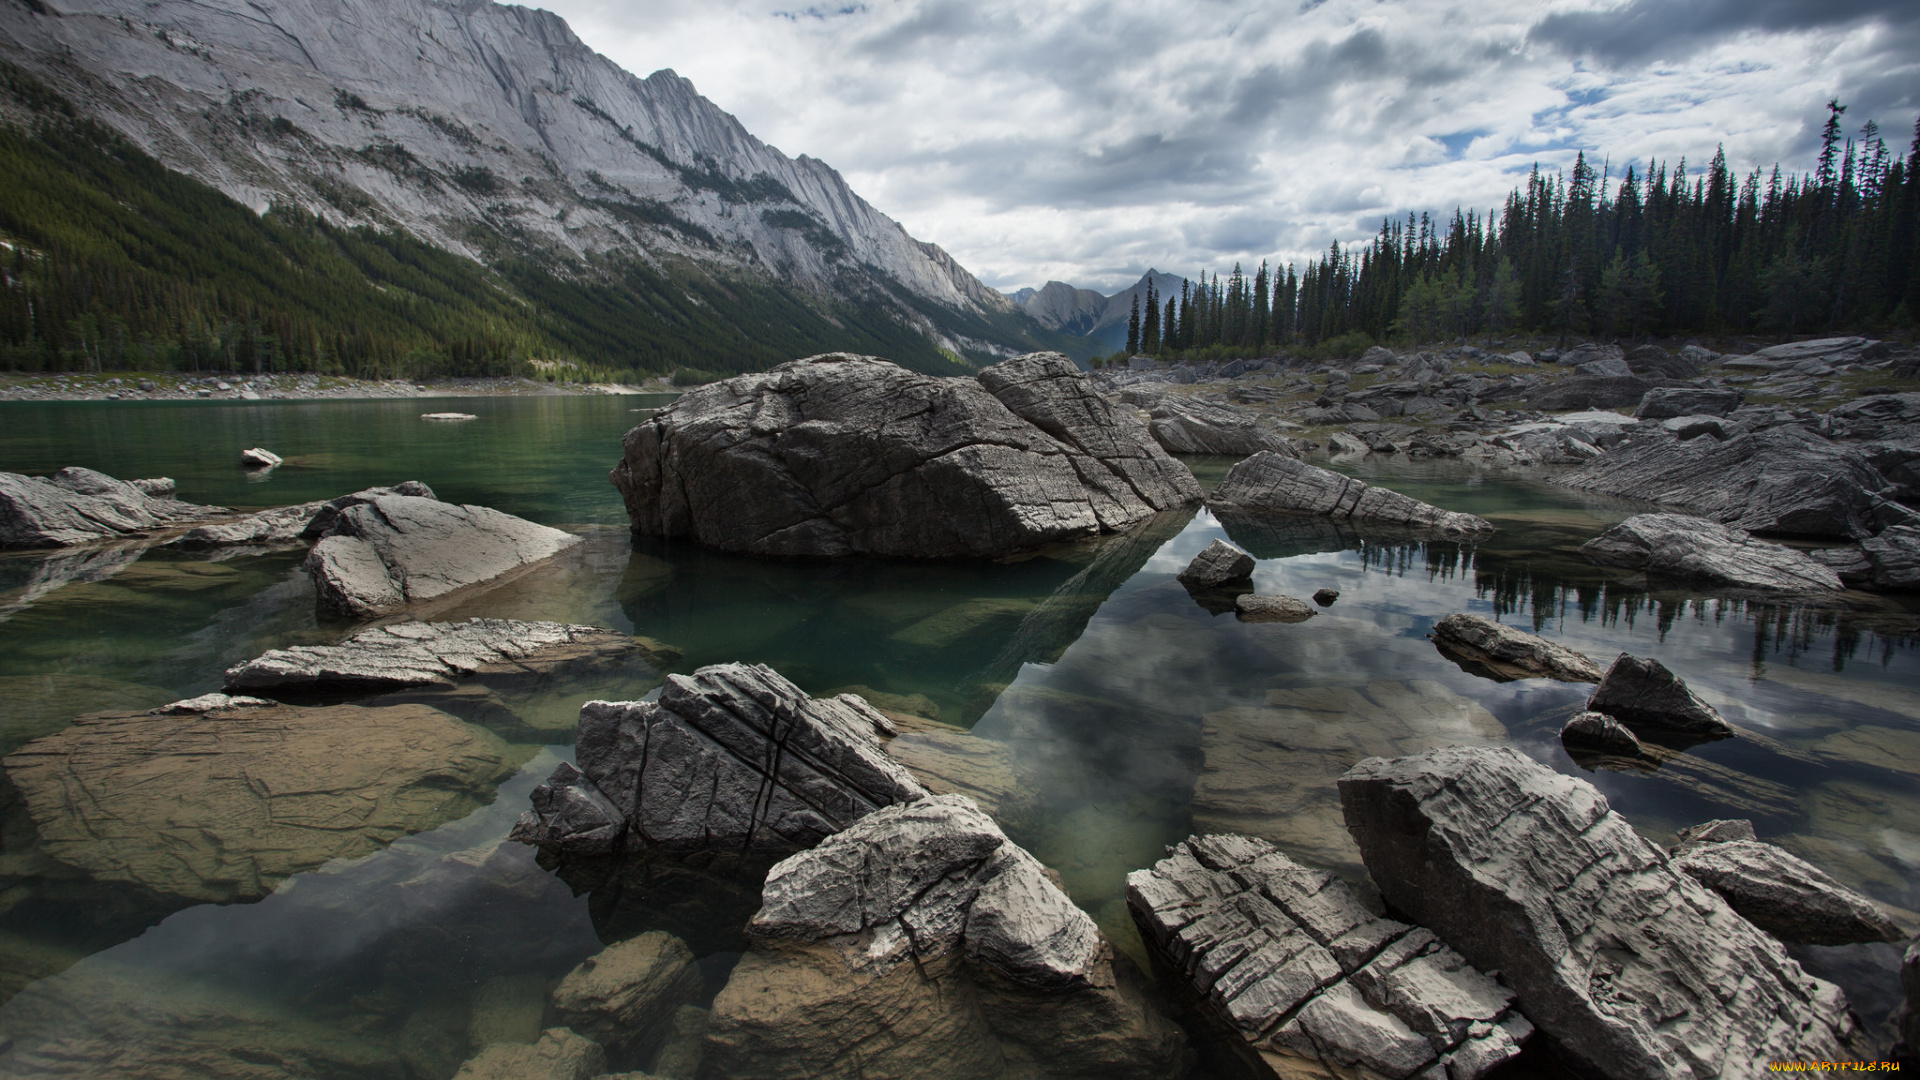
486	130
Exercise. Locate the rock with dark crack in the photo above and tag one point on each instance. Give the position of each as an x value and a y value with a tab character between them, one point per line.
1219	564
1662	403
1695	549
559	1055
396	551
732	759
1186	426
1780	480
226	804
1633	968
1286	958
1645	696
1509	653
1253	607
288	525
1268	483
1783	894
841	454
625	997
921	942
81	506
1595	733
429	654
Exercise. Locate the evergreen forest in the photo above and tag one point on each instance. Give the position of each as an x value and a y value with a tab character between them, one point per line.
1662	252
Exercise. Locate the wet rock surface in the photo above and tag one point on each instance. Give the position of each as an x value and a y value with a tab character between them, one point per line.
226	804
1217	565
1633	968
1645	696
1253	607
1510	653
81	506
1268	483
921	942
842	454
288	525
1781	893
429	654
1596	733
396	551
626	997
1286	957
559	1054
1695	549
733	758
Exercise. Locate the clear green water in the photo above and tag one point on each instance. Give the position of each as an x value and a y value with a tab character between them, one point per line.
1135	716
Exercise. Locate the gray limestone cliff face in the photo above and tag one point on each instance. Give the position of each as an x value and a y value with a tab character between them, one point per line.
1632	967
845	455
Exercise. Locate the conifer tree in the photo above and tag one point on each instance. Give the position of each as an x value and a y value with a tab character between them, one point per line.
1133	327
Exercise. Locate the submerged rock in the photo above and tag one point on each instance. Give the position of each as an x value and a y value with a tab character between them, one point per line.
396	551
559	1055
1597	733
733	758
1185	426
841	454
429	654
224	805
1218	565
1286	957
626	996
287	525
1681	546
1782	893
81	506
1633	968
1268	483
921	942
1642	693
1509	653
261	458
1252	607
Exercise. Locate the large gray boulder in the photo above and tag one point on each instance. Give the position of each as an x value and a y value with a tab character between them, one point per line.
1661	403
1510	653
1780	480
81	506
1632	967
842	454
921	942
1783	894
1185	426
1590	392
1286	957
395	551
428	654
288	525
1217	565
1693	548
1268	483
1645	696
733	758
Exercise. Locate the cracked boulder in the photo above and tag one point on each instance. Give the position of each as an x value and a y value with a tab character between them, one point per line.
430	654
1485	646
731	759
921	942
1268	483
1695	549
854	455
1779	892
1285	957
1632	967
81	506
225	804
395	551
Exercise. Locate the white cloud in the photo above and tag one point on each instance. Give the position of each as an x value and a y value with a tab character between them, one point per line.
1086	141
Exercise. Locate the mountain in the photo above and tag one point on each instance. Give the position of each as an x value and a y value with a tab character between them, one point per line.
493	133
1087	314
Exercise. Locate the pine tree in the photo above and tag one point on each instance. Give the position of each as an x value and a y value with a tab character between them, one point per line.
1133	327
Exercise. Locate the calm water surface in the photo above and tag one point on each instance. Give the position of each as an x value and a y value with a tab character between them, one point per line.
1135	715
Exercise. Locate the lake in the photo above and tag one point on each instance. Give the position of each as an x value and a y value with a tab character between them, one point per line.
1135	715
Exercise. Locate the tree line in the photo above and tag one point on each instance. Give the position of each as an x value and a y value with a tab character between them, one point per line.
1663	251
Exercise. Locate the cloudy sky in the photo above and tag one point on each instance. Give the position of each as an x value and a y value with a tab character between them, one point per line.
1086	142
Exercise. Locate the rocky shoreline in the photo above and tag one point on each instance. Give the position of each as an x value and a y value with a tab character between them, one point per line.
180	386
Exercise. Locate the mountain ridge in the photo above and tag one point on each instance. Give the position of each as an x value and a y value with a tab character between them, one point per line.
1088	314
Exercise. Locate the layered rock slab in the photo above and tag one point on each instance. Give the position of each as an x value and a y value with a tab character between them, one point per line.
395	551
1784	894
841	454
1268	483
921	942
1286	958
1632	967
1197	427
733	758
1682	546
288	525
226	804
81	506
1509	653
429	654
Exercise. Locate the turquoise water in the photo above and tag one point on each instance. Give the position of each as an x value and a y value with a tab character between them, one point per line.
1134	715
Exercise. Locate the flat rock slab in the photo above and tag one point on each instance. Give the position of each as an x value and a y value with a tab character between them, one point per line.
843	455
430	654
227	804
288	525
81	506
733	759
1642	694
1663	403
1695	549
1784	894
395	551
1632	967
1254	607
1217	565
1510	653
1286	956
1270	483
1185	426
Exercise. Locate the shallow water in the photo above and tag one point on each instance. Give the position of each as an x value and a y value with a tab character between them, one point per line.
1135	716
